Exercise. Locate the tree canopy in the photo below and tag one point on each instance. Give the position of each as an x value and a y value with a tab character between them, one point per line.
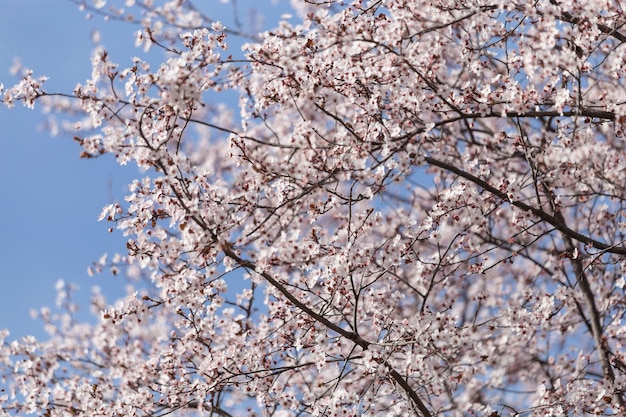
416	209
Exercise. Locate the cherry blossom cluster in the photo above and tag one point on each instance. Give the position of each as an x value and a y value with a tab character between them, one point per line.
417	209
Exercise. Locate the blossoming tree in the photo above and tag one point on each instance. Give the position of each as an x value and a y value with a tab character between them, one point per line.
416	210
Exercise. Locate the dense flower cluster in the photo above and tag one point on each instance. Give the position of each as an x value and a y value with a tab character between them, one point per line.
418	211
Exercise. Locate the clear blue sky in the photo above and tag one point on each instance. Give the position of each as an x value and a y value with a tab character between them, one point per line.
50	198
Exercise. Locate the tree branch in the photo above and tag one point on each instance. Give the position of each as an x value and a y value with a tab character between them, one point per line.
548	218
397	377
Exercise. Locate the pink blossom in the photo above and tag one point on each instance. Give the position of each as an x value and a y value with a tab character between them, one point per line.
417	209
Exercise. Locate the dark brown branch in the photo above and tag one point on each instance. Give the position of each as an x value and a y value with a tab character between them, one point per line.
582	112
548	218
397	377
594	314
568	17
410	391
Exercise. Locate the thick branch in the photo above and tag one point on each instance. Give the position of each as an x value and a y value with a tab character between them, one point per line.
580	112
594	314
548	218
397	377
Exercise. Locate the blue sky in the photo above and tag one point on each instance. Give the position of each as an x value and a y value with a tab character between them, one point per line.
51	198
